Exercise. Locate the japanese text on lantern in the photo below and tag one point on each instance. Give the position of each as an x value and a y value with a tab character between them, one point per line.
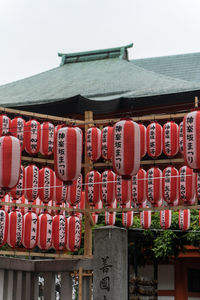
61	153
190	138
117	146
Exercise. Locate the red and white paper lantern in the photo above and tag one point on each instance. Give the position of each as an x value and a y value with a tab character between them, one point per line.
4	223
59	232
37	210
191	139
95	217
186	184
154	185
44	231
92	187
22	200
165	219
17	129
30	230
145	219
170	139
18	190
68	153
122	190
10	161
108	187
32	136
8	199
31	182
127	218
184	219
15	229
180	134
126	148
73	233
143	140
5	124
170	184
47	138
75	191
60	190
110	217
93	143
107	142
154	139
139	187
49	210
46	184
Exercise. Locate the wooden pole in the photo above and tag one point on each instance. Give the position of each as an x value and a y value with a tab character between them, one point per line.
196	104
88	168
80	283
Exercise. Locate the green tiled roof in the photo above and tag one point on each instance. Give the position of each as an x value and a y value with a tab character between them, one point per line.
97	75
182	66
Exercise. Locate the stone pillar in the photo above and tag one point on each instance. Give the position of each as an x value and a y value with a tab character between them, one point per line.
110	280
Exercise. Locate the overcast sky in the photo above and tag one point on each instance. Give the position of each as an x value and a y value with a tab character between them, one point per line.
32	32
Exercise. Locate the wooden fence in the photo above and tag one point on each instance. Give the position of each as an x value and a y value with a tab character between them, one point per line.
24	279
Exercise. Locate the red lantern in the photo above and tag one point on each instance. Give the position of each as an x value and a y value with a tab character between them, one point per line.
17	129
68	153
4	223
92	187
107	142
60	190
47	138
15	229
191	139
110	217
8	199
18	190
108	187
175	203
37	210
170	184
126	148
180	133
59	232
95	217
61	212
73	233
186	184
49	210
44	231
31	182
22	209
46	184
10	161
143	140
122	190
154	139
184	219
158	204
5	124
32	136
127	218
145	219
170	139
154	185
75	191
139	187
93	143
30	230
165	219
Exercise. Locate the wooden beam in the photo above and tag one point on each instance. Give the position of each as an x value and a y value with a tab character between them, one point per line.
38	254
80	283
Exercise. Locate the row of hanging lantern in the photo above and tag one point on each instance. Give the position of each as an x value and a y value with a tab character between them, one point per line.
45	231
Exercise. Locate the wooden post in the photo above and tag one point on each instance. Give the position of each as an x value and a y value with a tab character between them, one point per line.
196	102
89	164
80	283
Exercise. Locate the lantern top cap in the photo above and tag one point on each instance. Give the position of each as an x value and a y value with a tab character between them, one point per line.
118	52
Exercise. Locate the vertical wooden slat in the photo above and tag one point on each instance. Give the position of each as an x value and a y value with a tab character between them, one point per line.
66	286
17	287
35	287
49	286
2	284
80	283
86	288
10	290
88	162
5	288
